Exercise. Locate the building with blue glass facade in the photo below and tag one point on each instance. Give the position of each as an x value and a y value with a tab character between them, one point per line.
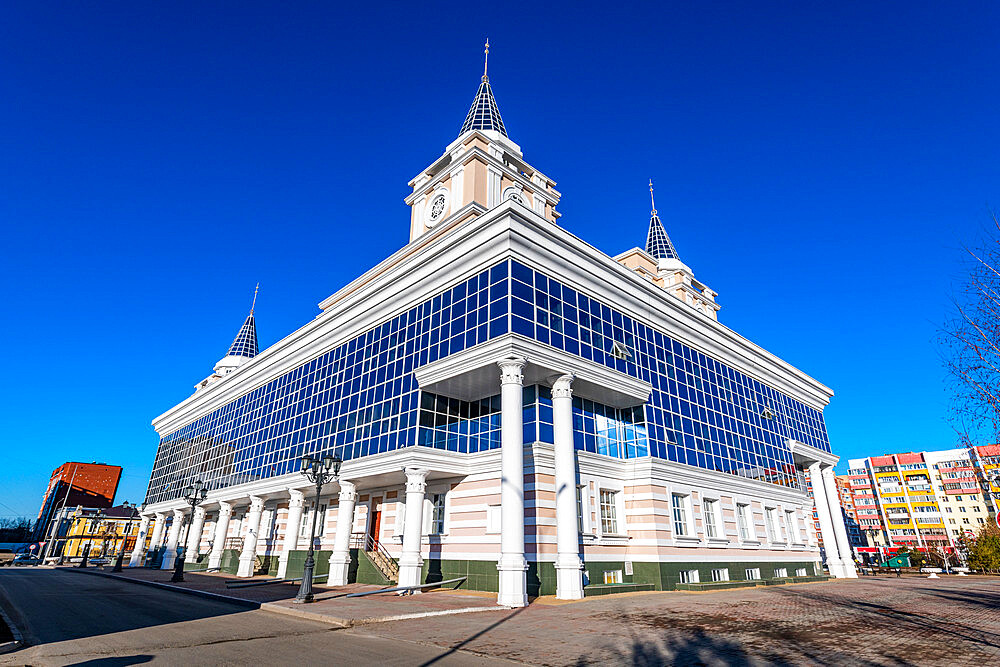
512	405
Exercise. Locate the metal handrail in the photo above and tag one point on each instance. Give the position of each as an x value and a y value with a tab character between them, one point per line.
380	556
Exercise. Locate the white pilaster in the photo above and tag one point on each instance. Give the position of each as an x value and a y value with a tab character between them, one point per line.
194	535
173	538
839	529
410	561
569	567
340	559
249	554
513	588
221	531
139	550
833	560
292	525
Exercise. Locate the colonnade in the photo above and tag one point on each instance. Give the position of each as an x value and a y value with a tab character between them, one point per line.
511	565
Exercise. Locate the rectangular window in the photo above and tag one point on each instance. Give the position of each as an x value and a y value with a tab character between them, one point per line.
792	525
437	514
720	574
609	520
801	572
689	576
708	508
753	573
780	572
679	505
579	509
743	520
769	513
306	525
612	576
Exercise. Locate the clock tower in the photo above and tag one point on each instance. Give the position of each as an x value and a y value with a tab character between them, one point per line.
480	169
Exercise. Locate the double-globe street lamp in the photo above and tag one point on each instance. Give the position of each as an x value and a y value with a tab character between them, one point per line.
193	494
319	471
128	529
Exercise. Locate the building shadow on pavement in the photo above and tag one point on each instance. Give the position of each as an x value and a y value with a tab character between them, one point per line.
122	661
471	638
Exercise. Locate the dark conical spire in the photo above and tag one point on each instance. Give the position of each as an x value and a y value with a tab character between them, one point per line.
245	343
657	242
484	114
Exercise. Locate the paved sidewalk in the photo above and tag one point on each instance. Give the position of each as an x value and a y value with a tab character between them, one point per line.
870	621
331	606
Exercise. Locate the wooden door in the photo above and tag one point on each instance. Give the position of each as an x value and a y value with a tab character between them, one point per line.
375	523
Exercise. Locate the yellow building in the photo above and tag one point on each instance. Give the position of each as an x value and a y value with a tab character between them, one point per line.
103	530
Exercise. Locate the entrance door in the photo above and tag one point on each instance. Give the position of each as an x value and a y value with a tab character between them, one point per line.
375	523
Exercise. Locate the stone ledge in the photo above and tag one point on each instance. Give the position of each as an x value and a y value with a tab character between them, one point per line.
610	589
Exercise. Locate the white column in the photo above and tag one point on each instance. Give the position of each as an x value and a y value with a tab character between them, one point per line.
221	532
340	559
173	538
249	554
158	521
139	550
833	560
194	535
410	561
292	525
569	567
513	588
839	529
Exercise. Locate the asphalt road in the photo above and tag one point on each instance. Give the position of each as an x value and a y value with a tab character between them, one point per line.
70	618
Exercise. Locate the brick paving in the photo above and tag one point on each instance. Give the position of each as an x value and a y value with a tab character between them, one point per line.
870	621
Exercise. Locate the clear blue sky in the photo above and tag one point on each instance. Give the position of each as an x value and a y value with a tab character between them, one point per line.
818	165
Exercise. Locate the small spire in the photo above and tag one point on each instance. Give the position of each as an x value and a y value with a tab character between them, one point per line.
658	244
254	304
484	114
486	61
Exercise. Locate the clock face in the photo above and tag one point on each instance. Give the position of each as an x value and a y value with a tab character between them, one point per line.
438	205
514	195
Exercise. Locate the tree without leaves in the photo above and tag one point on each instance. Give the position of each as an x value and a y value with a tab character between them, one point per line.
971	342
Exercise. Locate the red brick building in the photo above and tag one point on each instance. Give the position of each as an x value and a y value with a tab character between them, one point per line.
72	484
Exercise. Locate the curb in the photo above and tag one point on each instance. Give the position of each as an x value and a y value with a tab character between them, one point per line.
19	642
275	608
250	604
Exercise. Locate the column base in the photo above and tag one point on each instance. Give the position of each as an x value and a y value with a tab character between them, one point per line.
569	577
850	570
836	568
513	581
282	565
191	557
410	570
168	560
214	560
135	559
340	567
246	567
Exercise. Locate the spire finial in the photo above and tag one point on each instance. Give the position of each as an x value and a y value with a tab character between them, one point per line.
254	304
651	201
486	61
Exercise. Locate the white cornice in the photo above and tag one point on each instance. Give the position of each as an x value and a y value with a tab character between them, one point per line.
808	454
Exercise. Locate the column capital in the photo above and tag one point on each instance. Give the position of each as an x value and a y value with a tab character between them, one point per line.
199	512
348	491
225	508
562	386
160	516
256	504
416	479
179	514
510	370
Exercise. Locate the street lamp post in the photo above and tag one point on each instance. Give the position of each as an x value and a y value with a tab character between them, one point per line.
128	528
193	494
319	472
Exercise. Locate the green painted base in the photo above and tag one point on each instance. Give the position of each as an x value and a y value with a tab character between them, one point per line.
297	561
